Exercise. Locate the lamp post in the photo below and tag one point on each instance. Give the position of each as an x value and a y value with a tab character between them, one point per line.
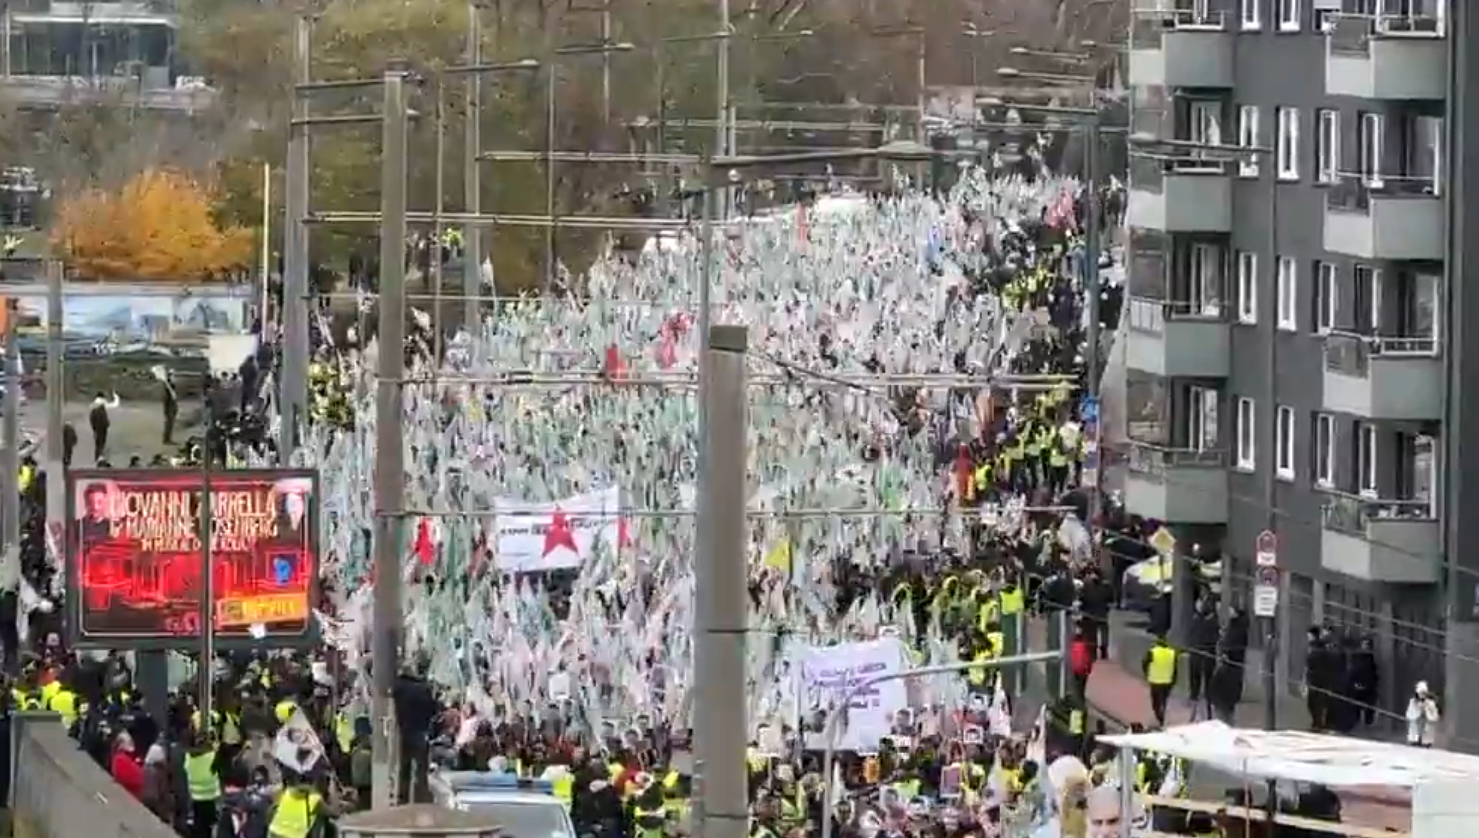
839	709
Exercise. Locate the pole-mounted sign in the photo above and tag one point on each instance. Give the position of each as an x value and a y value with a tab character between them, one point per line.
1266	584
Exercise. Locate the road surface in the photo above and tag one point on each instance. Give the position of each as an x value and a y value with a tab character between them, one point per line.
137	428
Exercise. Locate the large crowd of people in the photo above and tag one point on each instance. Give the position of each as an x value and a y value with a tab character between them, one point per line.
918	457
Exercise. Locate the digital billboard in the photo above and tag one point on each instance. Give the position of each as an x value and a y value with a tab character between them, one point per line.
135	559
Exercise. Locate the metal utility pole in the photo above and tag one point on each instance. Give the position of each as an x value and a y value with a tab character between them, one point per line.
472	190
434	248
721	127
921	135
56	400
552	80
1092	294
606	65
11	575
390	464
293	389
720	730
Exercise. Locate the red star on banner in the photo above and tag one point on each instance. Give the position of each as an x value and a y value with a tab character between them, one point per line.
425	546
559	534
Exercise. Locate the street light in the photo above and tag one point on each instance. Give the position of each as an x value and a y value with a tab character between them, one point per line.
1070	57
839	709
1054	78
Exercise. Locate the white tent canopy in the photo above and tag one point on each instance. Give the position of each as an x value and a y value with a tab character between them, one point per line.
1334	761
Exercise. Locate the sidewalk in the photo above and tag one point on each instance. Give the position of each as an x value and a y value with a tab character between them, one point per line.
1124	698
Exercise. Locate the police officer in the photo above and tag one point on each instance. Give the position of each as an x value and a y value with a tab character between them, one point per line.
202	776
1160	673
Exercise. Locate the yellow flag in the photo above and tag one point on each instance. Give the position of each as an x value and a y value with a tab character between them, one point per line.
779	556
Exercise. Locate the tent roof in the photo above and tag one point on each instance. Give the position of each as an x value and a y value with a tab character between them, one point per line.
1305	757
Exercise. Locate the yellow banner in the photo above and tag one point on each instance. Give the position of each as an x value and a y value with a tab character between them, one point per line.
277	608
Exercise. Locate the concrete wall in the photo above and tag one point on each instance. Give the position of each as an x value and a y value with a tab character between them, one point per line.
57	791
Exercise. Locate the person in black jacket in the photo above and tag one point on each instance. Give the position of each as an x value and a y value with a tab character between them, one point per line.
69	444
100	422
1320	668
1363	680
416	710
1096	598
1206	630
171	407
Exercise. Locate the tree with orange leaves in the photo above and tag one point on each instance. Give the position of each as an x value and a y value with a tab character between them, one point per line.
159	226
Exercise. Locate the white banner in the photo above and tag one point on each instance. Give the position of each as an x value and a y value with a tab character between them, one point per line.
828	673
535	537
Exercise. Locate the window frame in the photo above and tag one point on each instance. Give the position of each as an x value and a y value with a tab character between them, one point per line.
1322	451
1367	445
1286	291
1248	129
1327	145
1284	432
1286	143
1250	17
1245	454
1289	15
1247	287
1326	297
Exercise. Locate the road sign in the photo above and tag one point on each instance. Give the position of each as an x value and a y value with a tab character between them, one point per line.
1163	541
1266	592
1266	549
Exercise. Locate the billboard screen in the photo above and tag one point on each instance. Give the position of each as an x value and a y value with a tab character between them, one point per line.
135	556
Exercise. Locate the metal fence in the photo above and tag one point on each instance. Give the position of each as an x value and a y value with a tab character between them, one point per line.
1350	514
1347	353
1156	460
1353	192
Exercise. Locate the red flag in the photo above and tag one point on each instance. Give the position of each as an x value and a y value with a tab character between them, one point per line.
425	547
963	471
801	225
614	368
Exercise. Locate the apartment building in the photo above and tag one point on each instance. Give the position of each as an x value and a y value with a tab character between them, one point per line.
1295	329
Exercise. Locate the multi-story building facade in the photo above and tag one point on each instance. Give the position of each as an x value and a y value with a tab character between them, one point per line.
1295	329
56	53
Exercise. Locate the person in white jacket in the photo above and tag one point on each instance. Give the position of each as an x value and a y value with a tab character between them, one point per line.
1422	717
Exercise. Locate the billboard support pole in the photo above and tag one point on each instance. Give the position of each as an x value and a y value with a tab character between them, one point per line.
205	672
56	400
10	575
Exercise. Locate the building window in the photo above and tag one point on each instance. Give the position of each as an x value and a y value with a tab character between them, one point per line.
1327	147
1289	15
1284	443
1372	138
1288	294
1322	453
1366	460
1287	148
1245	454
1247	287
1201	419
1250	16
1248	138
1326	296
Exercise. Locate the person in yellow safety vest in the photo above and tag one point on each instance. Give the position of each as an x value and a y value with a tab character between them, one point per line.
1160	672
284	710
995	640
344	732
25	699
562	784
979	678
987	610
298	811
203	777
64	702
650	822
1012	601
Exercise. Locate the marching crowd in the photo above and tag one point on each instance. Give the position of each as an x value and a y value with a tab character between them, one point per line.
568	662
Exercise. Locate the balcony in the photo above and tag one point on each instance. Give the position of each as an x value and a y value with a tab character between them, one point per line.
1390	57
1181	48
1395	379
1396	218
1179	485
1180	194
1177	340
1394	541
